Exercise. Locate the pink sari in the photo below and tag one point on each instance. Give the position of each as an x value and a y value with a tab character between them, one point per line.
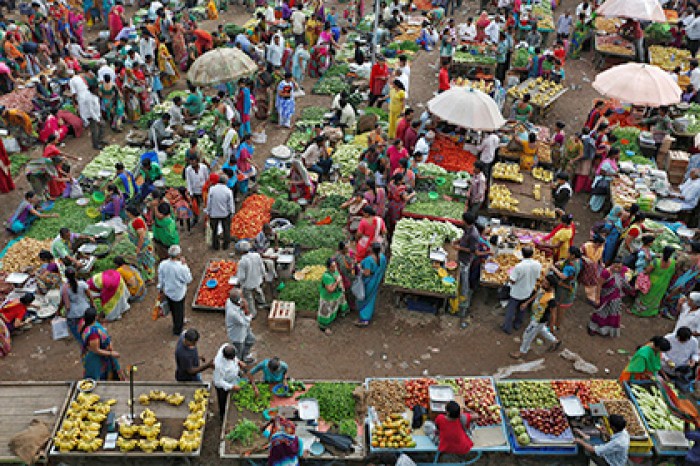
52	127
115	21
111	287
371	231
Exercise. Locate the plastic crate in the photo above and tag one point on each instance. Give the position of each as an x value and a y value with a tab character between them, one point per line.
426	305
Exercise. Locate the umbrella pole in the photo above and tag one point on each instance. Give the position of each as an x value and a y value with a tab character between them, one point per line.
375	36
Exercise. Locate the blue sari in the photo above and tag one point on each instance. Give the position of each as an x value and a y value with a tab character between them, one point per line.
613	228
98	367
683	285
371	282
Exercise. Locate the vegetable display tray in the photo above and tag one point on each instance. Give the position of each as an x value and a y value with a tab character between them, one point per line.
170	417
202	285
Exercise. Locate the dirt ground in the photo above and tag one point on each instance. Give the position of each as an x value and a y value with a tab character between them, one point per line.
398	343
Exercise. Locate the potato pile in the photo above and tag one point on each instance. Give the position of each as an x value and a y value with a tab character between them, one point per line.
625	409
387	396
24	254
507	261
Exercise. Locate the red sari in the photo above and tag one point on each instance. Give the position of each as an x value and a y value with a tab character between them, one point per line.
6	182
115	21
51	126
56	187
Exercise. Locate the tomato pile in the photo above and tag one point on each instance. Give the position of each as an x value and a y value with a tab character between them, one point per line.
451	156
580	388
216	297
253	214
417	392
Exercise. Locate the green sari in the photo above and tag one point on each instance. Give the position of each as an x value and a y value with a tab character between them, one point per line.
647	305
644	364
578	37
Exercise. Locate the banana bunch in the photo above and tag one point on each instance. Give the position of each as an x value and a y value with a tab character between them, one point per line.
150	432
501	198
169	444
157	395
90	446
127	431
201	394
149	445
542	174
175	399
669	57
546	212
82	424
190	440
507	171
144	399
194	421
126	445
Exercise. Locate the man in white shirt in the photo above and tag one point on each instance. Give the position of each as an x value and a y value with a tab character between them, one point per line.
405	69
487	152
690	190
347	117
196	174
274	52
493	30
423	146
687	17
694	74
692	32
220	208
298	19
250	274
585	9
681	359
615	451
690	313
467	32
91	114
106	70
523	279
564	24
226	378
173	277
238	321
177	119
77	85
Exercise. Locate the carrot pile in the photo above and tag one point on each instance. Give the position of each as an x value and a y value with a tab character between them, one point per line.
216	297
253	214
451	156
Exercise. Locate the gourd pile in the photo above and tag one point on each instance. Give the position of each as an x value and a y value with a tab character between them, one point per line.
501	198
507	171
82	424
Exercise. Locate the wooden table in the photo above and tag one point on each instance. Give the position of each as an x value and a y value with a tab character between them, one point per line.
19	401
171	418
523	193
602	58
539	111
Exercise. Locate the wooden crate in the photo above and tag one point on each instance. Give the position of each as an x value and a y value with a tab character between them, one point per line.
282	315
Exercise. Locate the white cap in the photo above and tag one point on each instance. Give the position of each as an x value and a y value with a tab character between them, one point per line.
695	297
174	250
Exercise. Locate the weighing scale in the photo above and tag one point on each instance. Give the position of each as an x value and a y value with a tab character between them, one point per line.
285	263
671	440
17	279
440	395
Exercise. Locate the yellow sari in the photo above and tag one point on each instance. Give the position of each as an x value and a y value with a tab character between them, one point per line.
397	101
133	281
166	65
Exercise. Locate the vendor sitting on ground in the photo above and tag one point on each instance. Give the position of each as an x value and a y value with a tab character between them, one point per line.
689	190
48	274
26	213
316	158
14	312
274	371
66	243
160	130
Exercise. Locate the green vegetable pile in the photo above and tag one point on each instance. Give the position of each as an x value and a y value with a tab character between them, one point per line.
666	238
527	395
272	182
383	115
438	208
245	398
410	266
332	201
339	188
630	134
330	85
304	293
430	169
298	140
335	400
17	161
311	116
521	58
315	257
347	156
461	56
407	45
244	432
313	236
340	69
348	427
286	209
109	156
651	403
70	214
319	213
233	30
658	32
122	247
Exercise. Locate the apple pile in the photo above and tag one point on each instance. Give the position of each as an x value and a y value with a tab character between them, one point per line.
417	392
580	388
602	389
480	397
527	394
549	421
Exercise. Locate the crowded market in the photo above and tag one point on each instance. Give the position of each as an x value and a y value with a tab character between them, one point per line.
391	232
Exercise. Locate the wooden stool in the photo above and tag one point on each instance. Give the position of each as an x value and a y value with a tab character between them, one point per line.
281	317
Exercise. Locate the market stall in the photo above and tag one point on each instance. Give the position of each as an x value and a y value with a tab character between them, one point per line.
647	187
524	195
327	407
474	60
96	424
422	271
391	401
543	93
218	279
611	50
24	402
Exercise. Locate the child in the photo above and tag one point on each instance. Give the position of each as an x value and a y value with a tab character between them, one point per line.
184	207
542	305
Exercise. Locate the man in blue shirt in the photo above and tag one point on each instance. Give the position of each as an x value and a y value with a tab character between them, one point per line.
274	371
243	42
125	181
615	451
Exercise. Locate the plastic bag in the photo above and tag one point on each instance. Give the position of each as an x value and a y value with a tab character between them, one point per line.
405	460
358	288
59	328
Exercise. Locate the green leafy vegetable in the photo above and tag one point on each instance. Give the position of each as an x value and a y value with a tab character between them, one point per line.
304	293
70	214
17	161
348	427
244	432
315	257
313	236
335	400
245	398
286	209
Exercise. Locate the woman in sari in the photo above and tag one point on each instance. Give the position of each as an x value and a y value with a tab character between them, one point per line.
397	103
26	213
57	184
165	232
245	165
116	21
646	361
398	197
285	447
631	237
481	23
592	268
285	102
688	276
578	37
99	358
52	125
300	184
612	229
370	231
604	174
114	295
300	62
7	184
139	237
132	279
605	321
522	111
263	84
660	272
375	197
166	66
572	153
372	269
346	263
112	103
318	61
332	297
48	275
565	291
179	46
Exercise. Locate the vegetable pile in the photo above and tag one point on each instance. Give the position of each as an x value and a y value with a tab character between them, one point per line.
304	294
244	432
347	156
439	208
348	427
122	247
109	156
272	183
253	214
335	400
527	394
286	209
313	236
651	403
315	257
410	265
417	392
23	254
387	397
480	397
449	155
245	398
221	271
69	213
17	161
666	238
312	273
340	188
298	140
330	85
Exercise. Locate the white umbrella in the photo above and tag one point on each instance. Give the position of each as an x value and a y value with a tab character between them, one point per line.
639	84
642	10
467	108
220	66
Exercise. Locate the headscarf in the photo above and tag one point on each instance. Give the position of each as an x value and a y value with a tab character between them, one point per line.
301	169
